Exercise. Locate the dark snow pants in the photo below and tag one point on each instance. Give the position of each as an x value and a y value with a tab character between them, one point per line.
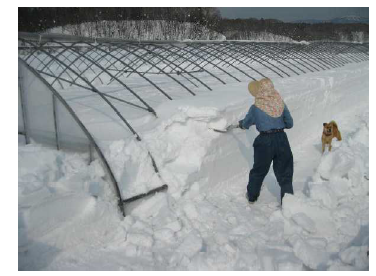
270	148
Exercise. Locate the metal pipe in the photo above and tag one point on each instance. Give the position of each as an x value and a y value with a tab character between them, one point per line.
86	132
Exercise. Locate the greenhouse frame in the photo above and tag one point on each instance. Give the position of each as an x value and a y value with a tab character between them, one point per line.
146	73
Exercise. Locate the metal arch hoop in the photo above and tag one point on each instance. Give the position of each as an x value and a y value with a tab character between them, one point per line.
148	80
85	130
104	98
168	75
123	84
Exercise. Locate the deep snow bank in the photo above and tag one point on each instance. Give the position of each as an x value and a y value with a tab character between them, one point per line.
62	203
328	224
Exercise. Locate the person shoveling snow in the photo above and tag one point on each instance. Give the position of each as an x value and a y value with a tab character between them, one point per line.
271	116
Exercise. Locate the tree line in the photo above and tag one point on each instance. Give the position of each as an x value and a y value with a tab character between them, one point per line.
242	28
42	19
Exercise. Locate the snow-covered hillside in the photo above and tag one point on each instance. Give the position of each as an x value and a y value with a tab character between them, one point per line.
259	36
159	30
140	30
68	218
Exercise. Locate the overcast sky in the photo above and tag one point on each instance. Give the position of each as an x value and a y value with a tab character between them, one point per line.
291	14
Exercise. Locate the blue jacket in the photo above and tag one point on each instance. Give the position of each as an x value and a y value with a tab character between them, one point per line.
264	122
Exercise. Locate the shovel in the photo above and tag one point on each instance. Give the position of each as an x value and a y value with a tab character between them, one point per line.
227	129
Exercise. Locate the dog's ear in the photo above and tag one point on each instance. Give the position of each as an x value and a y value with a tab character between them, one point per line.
324	124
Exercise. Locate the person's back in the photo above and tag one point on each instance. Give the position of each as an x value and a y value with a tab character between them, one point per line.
264	122
271	116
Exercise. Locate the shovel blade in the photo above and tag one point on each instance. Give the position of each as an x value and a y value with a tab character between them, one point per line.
225	130
219	130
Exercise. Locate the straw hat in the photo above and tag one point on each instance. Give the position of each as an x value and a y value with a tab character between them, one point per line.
254	87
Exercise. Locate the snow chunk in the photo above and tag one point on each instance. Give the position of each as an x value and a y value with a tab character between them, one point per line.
311	256
191	245
305	222
324	193
140	239
151	206
191	211
336	164
132	165
318	216
166	235
204	113
174	226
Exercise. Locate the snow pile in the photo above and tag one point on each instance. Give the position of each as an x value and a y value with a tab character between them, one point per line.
63	203
183	144
335	207
132	166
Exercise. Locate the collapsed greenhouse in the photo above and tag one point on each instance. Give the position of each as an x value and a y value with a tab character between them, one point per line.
127	80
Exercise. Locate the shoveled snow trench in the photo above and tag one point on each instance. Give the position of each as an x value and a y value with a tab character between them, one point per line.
68	219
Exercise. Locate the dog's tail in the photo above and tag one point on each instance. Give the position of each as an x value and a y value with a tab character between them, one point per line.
337	132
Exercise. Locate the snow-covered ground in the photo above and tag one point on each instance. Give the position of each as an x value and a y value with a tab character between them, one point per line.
68	218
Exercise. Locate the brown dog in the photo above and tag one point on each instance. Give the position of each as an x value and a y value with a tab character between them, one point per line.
330	131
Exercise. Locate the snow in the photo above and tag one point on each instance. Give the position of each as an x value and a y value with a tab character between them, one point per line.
69	220
140	30
164	30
